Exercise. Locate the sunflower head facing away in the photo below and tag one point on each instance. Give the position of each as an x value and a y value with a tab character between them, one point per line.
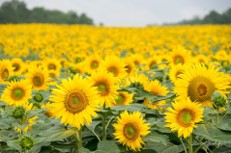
183	117
129	129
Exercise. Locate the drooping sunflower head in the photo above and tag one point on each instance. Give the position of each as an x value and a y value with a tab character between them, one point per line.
6	70
179	55
107	87
183	117
123	98
18	66
199	83
175	72
38	78
75	101
17	93
130	128
156	89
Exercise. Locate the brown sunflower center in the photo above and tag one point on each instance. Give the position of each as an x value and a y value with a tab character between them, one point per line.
103	88
18	93
38	80
178	59
52	66
178	73
113	70
185	117
131	131
5	74
152	65
120	99
94	64
128	69
16	67
200	89
76	101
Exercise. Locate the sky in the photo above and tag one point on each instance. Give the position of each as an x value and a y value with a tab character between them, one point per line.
135	12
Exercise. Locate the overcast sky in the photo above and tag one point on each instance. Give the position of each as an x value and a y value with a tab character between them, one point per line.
135	12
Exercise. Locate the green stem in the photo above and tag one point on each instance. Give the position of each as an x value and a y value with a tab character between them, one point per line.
108	123
94	133
79	139
185	150
104	128
190	148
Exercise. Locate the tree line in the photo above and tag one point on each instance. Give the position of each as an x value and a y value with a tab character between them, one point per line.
15	11
212	18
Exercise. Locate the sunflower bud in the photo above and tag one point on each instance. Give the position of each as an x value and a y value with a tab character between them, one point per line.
18	112
38	97
26	143
218	100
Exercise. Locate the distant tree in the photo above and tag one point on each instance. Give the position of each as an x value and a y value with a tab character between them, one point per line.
212	18
15	11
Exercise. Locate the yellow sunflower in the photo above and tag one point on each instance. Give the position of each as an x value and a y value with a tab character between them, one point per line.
175	71
183	117
123	98
53	64
38	78
156	89
179	55
6	70
18	66
199	82
107	87
129	129
75	101
17	93
115	66
92	63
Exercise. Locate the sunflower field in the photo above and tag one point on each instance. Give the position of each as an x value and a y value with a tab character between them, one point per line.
89	89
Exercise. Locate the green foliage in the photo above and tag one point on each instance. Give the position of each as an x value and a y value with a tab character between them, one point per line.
15	11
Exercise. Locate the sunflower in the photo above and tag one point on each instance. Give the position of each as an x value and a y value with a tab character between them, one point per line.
138	78
129	129
179	55
107	87
17	93
123	98
75	101
92	63
183	117
115	66
18	66
38	78
53	65
156	89
175	71
6	70
199	82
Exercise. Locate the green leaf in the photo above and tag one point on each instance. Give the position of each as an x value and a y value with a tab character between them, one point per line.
212	133
55	136
155	137
133	107
159	147
225	124
15	145
107	147
222	149
6	123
